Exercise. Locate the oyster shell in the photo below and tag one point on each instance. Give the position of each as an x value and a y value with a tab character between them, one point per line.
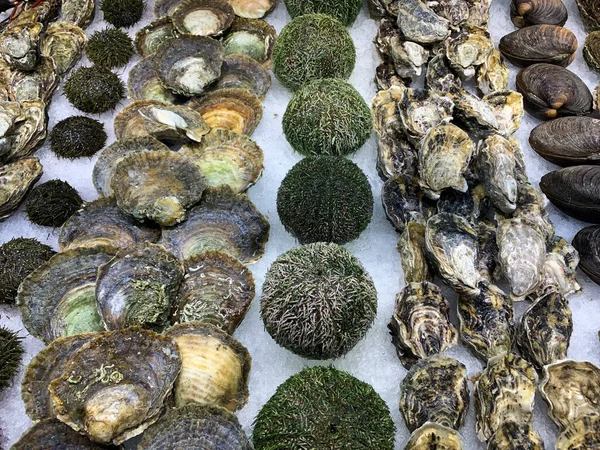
241	71
486	321
19	41
188	64
507	106
455	11
531	207
587	243
252	9
421	110
504	392
144	84
30	132
149	38
164	8
420	325
411	247
581	435
11	117
440	76
540	43
487	250
559	270
551	91
106	164
194	426
468	50
575	191
418	23
233	109
138	287
404	202
115	385
159	185
451	245
15	181
51	433
492	75
227	158
202	17
572	391
408	57
536	12
432	436
64	43
515	436
224	221
46	366
251	37
58	298
588	11
435	390
473	114
396	156
37	85
386	77
79	12
384	108
591	50
214	366
470	205
216	289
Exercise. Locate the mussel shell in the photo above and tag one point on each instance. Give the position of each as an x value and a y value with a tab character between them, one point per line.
64	43
583	434
52	434
589	11
241	71
251	37
149	38
144	84
551	91
536	12
591	50
540	43
252	9
434	436
587	243
575	191
202	17
516	436
15	181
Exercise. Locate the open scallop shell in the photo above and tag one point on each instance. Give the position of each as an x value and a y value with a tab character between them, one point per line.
241	71
144	84
149	38
224	221
252	9
51	434
58	299
216	289
214	366
227	158
203	17
251	37
164	8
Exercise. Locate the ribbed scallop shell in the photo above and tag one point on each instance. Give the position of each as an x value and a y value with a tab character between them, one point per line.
202	17
540	44
52	434
241	71
144	84
251	37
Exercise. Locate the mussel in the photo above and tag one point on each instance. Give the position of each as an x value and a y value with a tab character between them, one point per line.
540	43
587	243
534	12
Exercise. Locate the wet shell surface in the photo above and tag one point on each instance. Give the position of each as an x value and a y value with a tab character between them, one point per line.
405	202
435	390
581	435
536	12
252	9
214	366
591	50
216	289
115	385
587	243
507	106
411	246
50	434
418	23
79	12
473	114
149	38
58	299
251	37
144	84
241	71
540	44
590	14
469	49
432	436
64	43
158	185
173	123
15	181
516	436
202	17
20	39
223	221
422	110
39	84
492	75
227	158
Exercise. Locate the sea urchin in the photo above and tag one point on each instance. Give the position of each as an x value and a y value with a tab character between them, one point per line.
11	352
52	203
122	13
94	90
109	48
77	137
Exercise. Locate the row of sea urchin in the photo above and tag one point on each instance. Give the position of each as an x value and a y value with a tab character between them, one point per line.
11	353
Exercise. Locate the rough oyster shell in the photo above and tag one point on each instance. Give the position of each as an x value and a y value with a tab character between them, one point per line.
421	110
79	12
227	158
418	23
202	17
241	71
471	205
159	185
51	433
15	181
469	49
115	385
224	221
540	43
516	436
435	390
531	207
408	57
404	202
30	132
144	84
19	41
396	156
559	270
507	106
214	366
536	12
581	435
64	43
11	117
411	247
384	108
455	11
251	37
440	76
149	38
588	11
487	250
591	50
37	85
492	75
587	243
473	114
252	9
432	436
420	326
386	77
188	64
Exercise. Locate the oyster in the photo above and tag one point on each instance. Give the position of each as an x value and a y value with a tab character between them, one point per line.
507	106
531	207
194	426
252	9
568	141
504	392
536	12
487	250
591	50
588	11
421	110
11	117
233	109
440	76
15	181
580	435
587	243
522	253
144	84
411	247
384	108
58	298
46	366
202	17
572	391
105	166
451	245
540	43
115	385
559	270
188	64
79	12
435	390
214	366
39	84
227	158
486	321
455	11
470	205
473	114
51	433
575	191
418	23
224	221
468	50
444	158
492	75
516	436
396	156
159	185
551	91
19	41
432	436
420	326
165	8
251	37
216	289
31	132
408	57
64	43
241	71
404	201
386	77
149	38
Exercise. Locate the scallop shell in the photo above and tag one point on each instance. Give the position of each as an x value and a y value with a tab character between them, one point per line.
252	9
438	436
536	12
64	43
587	243
540	44
52	434
149	38
15	181
251	37
202	17
144	84
241	71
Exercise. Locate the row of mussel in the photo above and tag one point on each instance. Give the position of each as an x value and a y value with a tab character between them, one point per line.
457	192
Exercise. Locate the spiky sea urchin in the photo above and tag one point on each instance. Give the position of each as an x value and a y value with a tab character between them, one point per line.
18	258
310	47
318	301
11	352
346	11
325	199
109	48
94	90
122	13
77	137
327	117
324	408
52	203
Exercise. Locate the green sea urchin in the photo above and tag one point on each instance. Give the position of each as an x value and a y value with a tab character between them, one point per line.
324	408
77	137
122	13
346	11
109	48
11	353
318	301
18	258
94	90
325	199
327	117
52	203
310	47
